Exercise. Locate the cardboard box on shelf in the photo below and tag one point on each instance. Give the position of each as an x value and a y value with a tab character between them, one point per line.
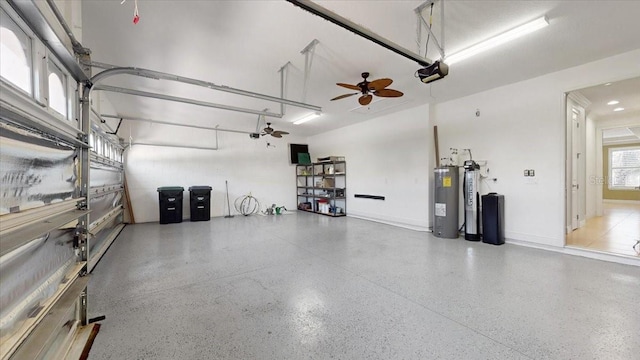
328	183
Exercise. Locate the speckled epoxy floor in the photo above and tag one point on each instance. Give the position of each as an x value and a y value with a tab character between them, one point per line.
305	286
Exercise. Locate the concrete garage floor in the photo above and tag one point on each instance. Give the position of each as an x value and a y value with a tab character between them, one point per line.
305	286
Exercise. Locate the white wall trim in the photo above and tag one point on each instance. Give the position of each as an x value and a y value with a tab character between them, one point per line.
591	254
399	222
579	99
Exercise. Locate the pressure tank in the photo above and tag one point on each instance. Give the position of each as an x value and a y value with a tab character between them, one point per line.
447	193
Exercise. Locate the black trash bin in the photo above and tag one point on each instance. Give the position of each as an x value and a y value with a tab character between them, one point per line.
493	219
170	198
200	203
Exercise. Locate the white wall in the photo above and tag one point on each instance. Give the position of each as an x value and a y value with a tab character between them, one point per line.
248	165
72	13
522	126
388	156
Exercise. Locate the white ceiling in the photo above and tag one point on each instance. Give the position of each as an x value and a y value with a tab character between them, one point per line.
627	92
242	44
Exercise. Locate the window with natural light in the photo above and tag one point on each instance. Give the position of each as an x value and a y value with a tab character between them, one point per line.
15	54
57	93
624	168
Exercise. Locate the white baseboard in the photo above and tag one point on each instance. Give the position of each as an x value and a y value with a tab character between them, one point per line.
591	254
632	202
535	239
389	221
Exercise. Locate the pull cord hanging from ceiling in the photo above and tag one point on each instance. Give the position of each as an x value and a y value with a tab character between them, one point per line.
136	14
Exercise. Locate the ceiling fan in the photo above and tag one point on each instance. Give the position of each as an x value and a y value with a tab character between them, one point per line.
367	88
270	131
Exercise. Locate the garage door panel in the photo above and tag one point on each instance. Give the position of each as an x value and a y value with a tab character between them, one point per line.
35	171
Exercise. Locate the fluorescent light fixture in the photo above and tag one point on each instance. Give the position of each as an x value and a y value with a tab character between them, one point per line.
497	40
306	118
613	102
618	109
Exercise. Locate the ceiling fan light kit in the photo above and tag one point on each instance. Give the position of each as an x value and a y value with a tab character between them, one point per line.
368	88
270	131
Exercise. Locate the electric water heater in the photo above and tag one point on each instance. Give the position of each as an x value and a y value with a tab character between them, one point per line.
445	224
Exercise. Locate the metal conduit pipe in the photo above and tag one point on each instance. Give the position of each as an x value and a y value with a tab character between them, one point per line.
182	100
165	76
176	146
173	124
77	46
101	119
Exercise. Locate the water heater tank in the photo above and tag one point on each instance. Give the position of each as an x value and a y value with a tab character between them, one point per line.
447	193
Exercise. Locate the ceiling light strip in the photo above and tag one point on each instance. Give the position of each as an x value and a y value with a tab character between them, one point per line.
306	118
498	40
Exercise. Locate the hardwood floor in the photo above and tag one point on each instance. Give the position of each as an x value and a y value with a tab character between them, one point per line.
615	232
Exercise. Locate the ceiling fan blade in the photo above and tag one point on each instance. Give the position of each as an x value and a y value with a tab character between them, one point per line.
343	96
365	99
267	130
388	93
377	85
276	134
348	86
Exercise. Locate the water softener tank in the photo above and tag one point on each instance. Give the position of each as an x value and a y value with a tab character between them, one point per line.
471	200
445	224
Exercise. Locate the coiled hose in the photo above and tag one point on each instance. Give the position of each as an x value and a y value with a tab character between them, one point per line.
247	205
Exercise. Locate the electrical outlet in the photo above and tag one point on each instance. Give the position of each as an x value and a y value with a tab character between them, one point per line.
526	173
532	172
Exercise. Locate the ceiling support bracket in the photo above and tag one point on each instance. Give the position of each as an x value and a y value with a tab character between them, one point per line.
347	24
284	76
422	21
260	119
308	52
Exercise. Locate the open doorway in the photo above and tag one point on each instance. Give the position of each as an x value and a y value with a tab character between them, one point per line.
603	168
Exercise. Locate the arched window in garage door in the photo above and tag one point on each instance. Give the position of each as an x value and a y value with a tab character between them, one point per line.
15	54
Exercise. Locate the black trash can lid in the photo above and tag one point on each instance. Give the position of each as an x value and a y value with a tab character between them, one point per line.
170	188
200	188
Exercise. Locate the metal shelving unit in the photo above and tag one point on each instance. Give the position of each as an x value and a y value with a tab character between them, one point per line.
321	188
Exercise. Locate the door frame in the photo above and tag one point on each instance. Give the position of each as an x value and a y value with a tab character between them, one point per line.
575	100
